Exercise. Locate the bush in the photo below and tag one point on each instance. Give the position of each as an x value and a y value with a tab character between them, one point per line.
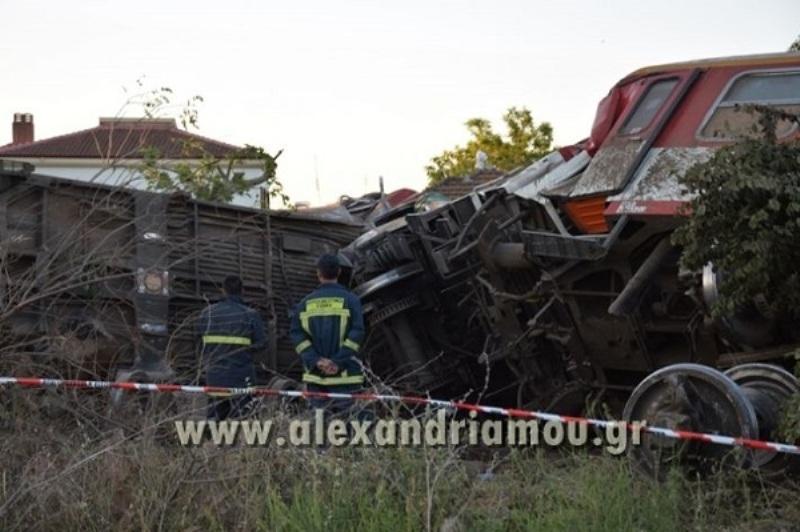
745	220
70	470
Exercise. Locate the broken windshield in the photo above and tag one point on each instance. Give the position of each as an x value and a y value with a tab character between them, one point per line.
649	104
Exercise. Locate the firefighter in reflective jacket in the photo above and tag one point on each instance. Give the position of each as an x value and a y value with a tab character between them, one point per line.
327	330
230	332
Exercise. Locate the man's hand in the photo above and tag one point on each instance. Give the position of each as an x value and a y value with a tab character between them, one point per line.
327	366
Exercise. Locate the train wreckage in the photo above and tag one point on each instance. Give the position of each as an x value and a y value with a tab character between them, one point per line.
549	287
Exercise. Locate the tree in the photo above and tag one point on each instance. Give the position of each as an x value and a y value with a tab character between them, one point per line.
199	173
795	46
211	178
525	143
745	220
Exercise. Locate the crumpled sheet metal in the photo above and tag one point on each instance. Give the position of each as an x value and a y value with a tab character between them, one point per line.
533	172
554	177
658	177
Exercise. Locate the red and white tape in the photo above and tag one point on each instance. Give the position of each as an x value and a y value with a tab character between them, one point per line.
34	382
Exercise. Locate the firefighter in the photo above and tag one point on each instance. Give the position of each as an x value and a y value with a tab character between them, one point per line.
230	333
327	329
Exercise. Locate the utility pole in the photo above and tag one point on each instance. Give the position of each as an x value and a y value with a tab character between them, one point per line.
316	180
272	319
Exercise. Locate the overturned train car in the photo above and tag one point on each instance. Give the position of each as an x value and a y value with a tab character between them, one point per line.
105	281
558	283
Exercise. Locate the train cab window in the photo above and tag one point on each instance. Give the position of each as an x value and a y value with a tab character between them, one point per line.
649	104
776	89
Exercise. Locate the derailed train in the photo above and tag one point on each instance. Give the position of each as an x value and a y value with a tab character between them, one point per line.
557	283
553	286
106	281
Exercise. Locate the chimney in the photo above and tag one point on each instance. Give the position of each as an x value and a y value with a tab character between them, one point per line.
22	128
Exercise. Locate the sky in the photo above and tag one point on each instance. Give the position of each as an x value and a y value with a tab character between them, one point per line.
354	90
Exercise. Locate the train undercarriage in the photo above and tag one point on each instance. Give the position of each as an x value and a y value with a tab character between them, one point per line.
498	297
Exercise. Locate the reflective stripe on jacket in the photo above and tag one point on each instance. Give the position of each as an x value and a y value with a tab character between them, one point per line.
329	323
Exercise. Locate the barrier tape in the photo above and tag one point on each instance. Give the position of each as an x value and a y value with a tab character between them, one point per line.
33	382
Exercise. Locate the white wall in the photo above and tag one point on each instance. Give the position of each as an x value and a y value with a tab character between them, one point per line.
97	172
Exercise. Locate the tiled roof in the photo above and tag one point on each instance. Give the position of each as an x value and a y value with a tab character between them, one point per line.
122	138
456	187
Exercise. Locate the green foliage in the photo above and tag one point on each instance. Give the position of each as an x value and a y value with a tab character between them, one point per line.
141	486
795	46
197	172
745	219
211	178
67	466
525	143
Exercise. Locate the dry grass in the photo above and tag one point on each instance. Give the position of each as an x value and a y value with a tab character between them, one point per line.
65	466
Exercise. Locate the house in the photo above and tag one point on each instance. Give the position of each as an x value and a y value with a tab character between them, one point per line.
113	151
457	186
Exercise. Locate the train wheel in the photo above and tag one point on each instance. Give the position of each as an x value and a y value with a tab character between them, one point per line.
767	387
694	398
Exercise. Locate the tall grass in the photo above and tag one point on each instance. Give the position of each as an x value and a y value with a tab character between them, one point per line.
63	470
